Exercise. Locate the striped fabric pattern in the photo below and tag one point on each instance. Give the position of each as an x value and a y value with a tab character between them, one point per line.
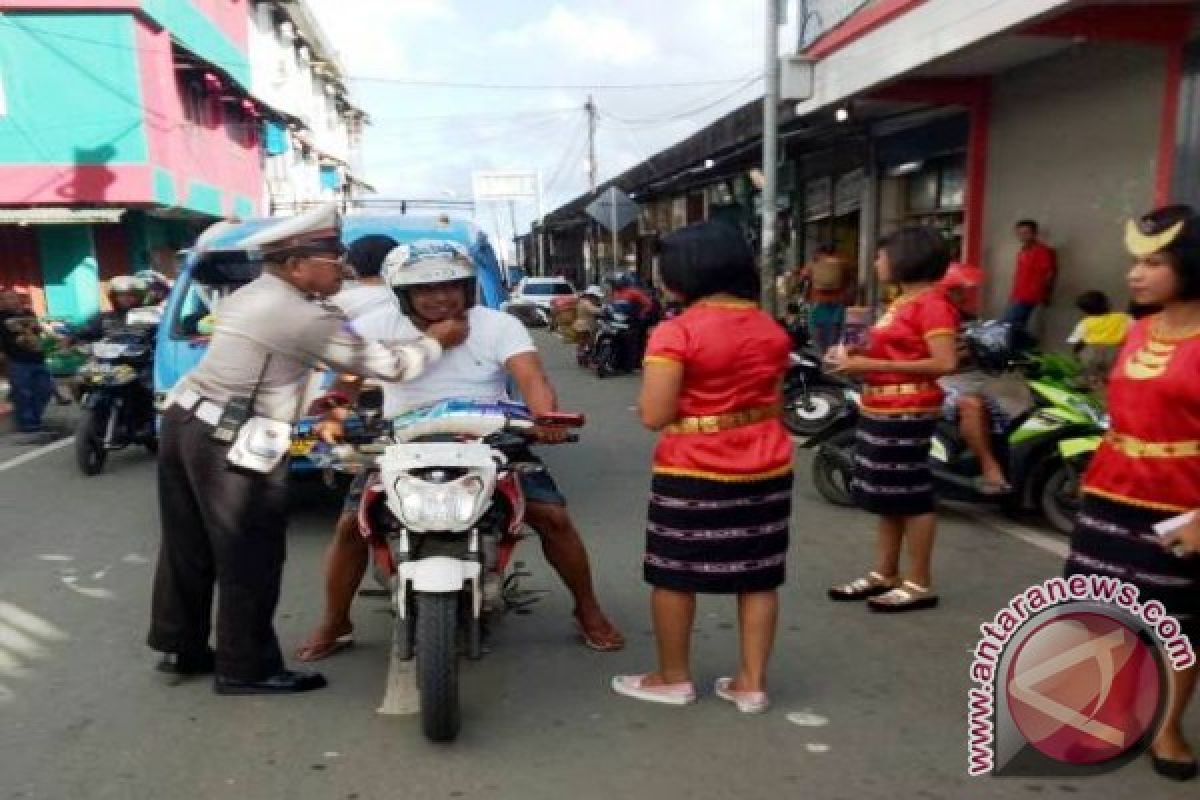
717	537
891	464
1118	540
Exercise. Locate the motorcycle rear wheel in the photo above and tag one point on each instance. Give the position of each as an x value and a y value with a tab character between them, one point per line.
90	453
823	405
437	665
1061	496
831	470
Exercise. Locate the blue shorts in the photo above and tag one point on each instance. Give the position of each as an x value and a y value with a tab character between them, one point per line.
539	487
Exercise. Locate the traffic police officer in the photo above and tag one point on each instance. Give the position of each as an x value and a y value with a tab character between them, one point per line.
223	502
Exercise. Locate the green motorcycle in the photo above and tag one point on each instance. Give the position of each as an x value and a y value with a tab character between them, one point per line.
1045	450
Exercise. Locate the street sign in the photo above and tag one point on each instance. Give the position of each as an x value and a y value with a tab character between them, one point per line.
505	185
614	209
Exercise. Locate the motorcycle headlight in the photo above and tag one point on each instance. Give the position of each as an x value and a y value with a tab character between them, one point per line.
452	506
108	350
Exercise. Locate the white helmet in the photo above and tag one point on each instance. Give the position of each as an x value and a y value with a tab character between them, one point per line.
427	262
126	283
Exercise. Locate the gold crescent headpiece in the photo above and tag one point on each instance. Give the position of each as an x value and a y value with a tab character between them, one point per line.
1143	244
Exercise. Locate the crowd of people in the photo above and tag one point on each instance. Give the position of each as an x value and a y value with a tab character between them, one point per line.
719	512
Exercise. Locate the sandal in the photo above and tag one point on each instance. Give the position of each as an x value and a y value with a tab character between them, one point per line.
602	639
668	694
989	488
746	702
315	650
862	588
908	596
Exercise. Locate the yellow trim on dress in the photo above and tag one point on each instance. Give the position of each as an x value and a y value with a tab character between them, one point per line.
941	332
669	360
1133	501
739	305
723	477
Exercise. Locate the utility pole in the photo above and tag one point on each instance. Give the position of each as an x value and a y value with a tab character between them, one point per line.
770	156
590	108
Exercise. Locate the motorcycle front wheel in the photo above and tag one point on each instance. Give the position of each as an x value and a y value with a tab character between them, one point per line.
437	665
90	454
1062	495
604	359
833	469
808	415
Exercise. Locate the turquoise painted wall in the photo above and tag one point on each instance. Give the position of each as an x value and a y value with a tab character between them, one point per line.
205	199
200	35
72	88
70	271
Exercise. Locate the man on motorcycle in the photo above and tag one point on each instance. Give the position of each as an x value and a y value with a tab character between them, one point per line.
966	400
125	293
435	283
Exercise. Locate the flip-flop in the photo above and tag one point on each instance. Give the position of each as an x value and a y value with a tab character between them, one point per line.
608	642
315	651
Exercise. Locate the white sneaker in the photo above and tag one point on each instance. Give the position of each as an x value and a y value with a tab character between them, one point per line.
746	702
671	694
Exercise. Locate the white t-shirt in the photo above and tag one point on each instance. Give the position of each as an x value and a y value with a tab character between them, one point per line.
475	369
358	299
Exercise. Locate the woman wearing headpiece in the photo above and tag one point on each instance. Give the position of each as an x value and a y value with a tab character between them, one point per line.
1148	468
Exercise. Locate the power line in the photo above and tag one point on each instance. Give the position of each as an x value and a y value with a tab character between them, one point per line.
683	114
542	86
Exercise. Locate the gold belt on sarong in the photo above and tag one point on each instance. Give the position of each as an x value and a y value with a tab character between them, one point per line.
1137	448
714	423
894	389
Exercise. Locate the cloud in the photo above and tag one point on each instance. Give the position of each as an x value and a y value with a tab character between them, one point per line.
367	40
583	36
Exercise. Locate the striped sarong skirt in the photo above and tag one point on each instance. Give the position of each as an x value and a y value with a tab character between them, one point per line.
891	464
1118	539
717	537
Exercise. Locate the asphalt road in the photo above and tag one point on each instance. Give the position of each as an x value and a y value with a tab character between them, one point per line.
82	715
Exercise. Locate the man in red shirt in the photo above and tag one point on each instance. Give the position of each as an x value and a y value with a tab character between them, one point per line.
1037	265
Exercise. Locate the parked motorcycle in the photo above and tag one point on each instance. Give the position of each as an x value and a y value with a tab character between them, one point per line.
812	398
614	345
117	396
443	520
1044	450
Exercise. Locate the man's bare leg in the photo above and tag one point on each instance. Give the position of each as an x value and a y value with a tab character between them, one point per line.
976	432
564	549
345	564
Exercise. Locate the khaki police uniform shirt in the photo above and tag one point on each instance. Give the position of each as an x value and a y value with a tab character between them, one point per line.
271	317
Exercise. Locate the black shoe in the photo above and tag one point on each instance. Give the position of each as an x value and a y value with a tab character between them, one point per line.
187	664
284	682
1174	770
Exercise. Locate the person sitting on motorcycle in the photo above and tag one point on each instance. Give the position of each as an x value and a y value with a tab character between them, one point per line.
432	288
158	286
591	303
628	296
125	293
966	401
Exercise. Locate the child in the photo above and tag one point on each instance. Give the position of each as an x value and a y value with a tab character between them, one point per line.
1098	337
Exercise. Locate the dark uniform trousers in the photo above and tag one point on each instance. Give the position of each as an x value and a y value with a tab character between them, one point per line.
223	528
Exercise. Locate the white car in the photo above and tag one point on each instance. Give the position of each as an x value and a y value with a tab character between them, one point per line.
540	291
532	298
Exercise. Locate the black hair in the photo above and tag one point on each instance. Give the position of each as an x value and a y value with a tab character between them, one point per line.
916	255
366	255
1184	249
1093	303
708	258
1028	223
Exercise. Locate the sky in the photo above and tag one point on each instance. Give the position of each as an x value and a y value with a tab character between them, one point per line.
425	141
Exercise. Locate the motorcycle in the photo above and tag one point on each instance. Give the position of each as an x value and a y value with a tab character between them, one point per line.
1044	450
443	519
614	344
117	395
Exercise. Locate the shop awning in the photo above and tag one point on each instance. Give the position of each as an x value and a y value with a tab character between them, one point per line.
60	216
931	31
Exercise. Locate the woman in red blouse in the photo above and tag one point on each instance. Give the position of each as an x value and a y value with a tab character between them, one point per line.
1148	468
911	346
721	494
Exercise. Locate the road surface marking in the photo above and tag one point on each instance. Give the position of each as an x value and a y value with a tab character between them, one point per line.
1053	544
807	719
37	452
